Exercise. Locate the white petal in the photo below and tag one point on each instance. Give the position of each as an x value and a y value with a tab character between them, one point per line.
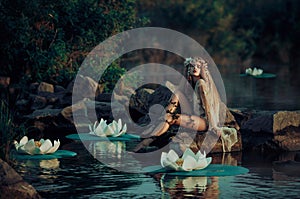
163	158
168	160
188	152
42	141
23	141
119	124
46	146
95	125
203	163
199	155
114	126
55	147
189	163
122	132
172	156
108	131
100	129
91	129
124	128
30	147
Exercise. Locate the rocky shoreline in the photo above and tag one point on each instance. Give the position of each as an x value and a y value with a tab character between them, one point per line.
48	111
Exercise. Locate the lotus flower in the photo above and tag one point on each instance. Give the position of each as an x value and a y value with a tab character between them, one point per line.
36	147
114	129
189	161
254	72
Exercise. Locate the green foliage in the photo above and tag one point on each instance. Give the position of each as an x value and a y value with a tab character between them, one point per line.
48	40
8	130
111	76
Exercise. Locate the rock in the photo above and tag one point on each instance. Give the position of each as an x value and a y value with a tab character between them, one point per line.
33	87
38	114
23	106
87	109
45	87
59	89
140	100
39	102
288	139
217	147
284	119
272	131
88	87
12	184
260	123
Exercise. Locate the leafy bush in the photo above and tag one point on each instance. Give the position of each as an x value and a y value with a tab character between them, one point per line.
47	40
111	76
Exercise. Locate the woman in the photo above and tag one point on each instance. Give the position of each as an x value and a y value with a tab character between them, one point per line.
212	110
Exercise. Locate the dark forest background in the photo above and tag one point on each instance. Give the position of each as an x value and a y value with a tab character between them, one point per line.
47	40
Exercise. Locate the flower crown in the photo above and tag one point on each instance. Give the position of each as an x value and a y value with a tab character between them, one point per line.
194	61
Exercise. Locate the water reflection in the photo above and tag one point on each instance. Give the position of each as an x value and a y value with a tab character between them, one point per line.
180	187
41	164
114	154
83	176
112	149
49	164
196	186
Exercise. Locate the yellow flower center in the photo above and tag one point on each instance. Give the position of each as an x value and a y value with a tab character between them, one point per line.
179	162
37	143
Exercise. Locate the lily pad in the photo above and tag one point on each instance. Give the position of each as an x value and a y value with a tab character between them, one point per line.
262	76
89	137
57	154
211	170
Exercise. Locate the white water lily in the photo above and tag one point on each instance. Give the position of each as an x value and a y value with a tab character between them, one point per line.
189	161
114	129
32	147
254	72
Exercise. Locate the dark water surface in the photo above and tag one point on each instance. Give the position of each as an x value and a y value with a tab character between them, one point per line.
261	94
85	177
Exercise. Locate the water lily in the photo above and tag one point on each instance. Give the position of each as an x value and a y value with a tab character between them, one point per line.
188	162
254	72
102	129
32	147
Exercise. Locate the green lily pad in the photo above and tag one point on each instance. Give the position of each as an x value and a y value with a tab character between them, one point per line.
57	154
211	170
89	137
262	76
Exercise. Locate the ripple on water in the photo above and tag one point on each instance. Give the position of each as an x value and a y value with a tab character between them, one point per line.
86	177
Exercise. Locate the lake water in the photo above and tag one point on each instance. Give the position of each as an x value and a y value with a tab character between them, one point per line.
84	176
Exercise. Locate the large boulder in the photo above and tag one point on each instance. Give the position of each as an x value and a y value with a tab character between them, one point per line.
272	131
12	184
286	128
45	87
